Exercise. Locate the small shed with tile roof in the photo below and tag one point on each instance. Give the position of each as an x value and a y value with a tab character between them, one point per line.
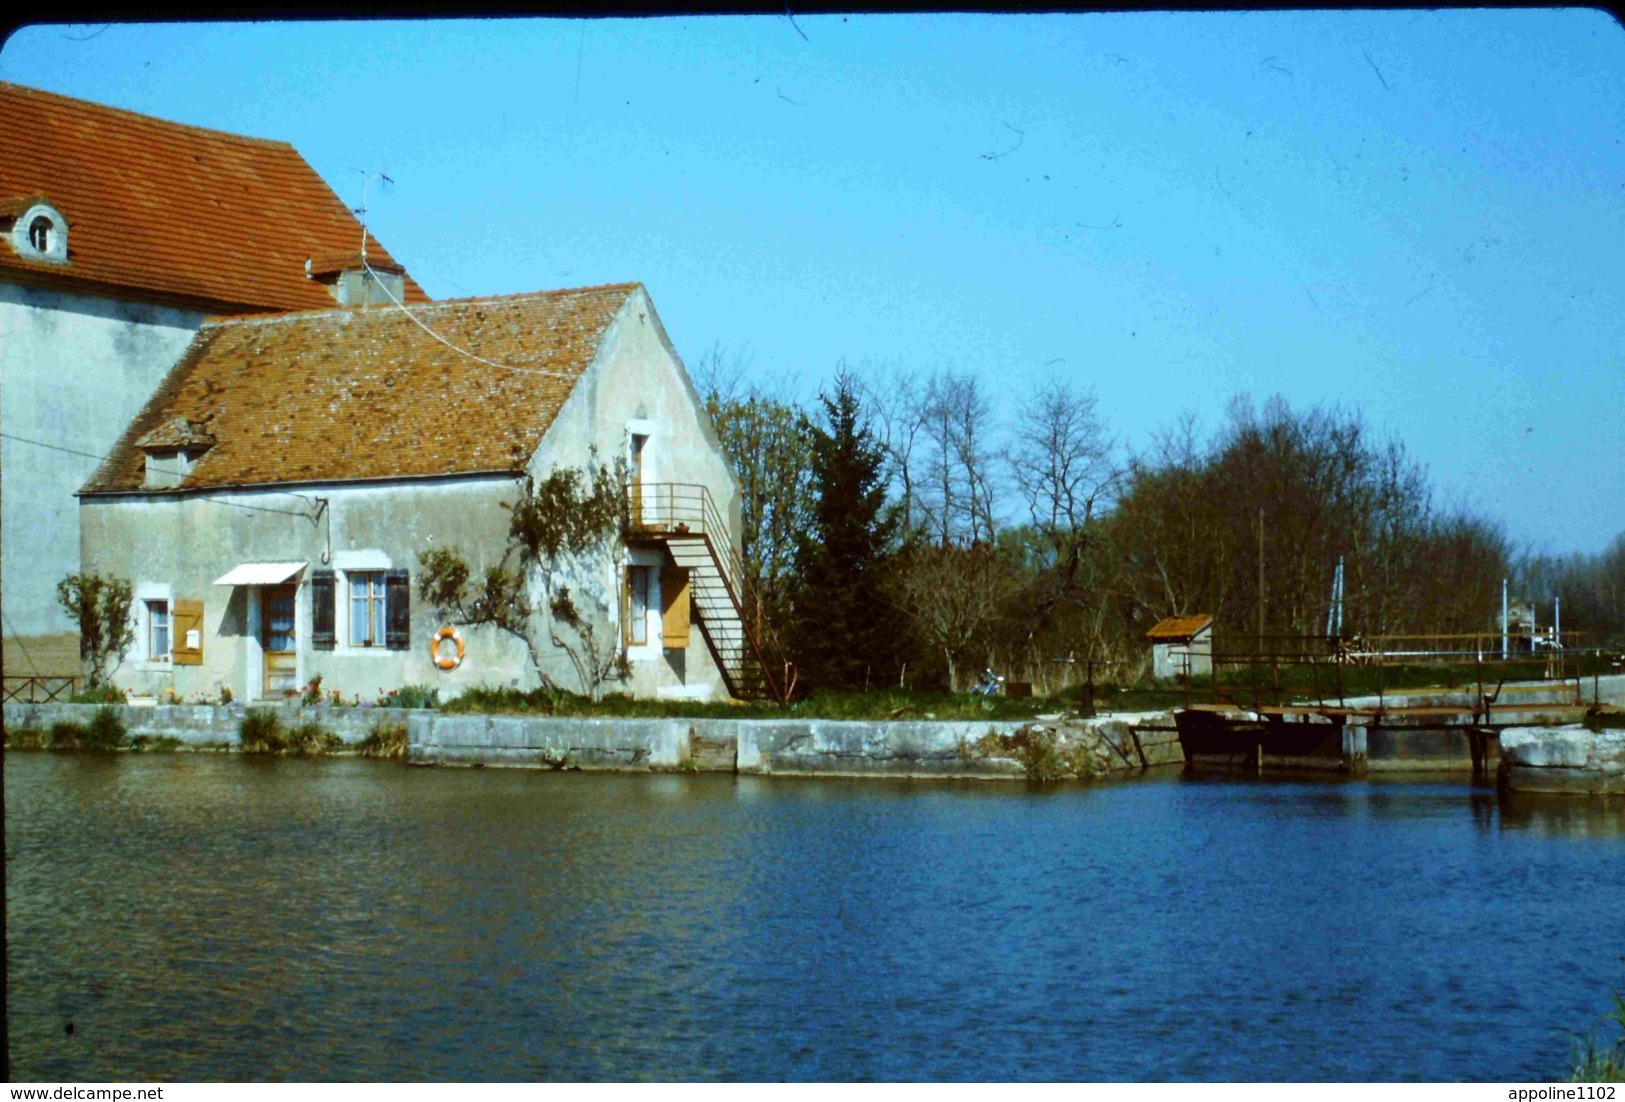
1182	645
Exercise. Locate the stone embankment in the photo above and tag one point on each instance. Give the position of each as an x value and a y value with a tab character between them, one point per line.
1047	749
205	725
1568	760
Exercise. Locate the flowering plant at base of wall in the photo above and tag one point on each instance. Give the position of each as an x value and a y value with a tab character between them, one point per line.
311	693
410	696
101	694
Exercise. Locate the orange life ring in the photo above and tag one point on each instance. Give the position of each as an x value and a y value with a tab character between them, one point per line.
442	661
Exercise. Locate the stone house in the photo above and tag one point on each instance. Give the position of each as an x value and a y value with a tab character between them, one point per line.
119	235
270	503
1182	645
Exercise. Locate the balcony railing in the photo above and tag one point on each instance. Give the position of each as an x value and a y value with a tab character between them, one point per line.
679	511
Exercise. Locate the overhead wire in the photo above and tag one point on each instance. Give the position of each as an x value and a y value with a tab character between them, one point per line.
456	348
318	503
362	212
218	501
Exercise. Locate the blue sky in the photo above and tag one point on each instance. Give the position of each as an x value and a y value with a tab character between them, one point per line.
1419	214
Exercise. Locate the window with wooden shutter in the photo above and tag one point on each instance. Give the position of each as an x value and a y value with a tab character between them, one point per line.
398	611
323	590
187	640
674	600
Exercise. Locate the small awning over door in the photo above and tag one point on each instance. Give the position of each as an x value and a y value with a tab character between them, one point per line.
260	573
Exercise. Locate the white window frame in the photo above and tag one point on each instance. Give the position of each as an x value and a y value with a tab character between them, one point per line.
146	594
158	607
346	564
56	244
375	600
654	630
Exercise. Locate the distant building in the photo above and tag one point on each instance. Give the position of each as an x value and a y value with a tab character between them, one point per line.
119	235
271	501
1182	645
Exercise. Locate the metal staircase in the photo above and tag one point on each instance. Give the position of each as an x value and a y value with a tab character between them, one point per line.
683	518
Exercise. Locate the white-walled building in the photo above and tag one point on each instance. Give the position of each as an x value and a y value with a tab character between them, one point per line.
1182	645
119	235
271	502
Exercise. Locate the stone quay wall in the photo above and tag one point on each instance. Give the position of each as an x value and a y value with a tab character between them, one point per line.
797	747
1567	760
793	747
206	724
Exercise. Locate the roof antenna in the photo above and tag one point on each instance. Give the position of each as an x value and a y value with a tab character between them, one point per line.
361	211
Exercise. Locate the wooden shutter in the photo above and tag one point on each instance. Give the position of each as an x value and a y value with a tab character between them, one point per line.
674	599
397	610
322	609
187	629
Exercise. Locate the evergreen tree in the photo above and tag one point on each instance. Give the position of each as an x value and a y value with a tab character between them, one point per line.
842	637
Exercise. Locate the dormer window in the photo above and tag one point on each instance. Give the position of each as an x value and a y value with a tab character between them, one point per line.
172	451
167	468
38	231
348	280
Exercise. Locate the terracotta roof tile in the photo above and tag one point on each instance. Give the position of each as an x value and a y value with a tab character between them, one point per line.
174	211
1179	627
350	394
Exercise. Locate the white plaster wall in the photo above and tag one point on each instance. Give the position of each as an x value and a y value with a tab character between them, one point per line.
639	383
181	545
185	543
74	371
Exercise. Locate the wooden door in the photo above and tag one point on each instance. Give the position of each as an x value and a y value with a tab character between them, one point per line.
277	640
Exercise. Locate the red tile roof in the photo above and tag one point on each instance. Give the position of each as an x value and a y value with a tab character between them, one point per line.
1179	627
348	394
168	212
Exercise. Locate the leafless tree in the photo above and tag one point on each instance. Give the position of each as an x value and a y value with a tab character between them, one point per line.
895	394
957	421
767	439
954	598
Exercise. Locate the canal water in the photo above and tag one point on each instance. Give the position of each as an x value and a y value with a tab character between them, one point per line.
208	917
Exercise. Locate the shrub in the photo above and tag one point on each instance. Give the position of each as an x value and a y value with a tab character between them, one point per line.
100	605
101	694
261	732
225	694
25	738
1036	749
155	744
313	739
312	693
500	699
106	731
67	736
411	696
386	740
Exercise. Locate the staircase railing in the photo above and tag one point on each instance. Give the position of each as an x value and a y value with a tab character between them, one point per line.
680	510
